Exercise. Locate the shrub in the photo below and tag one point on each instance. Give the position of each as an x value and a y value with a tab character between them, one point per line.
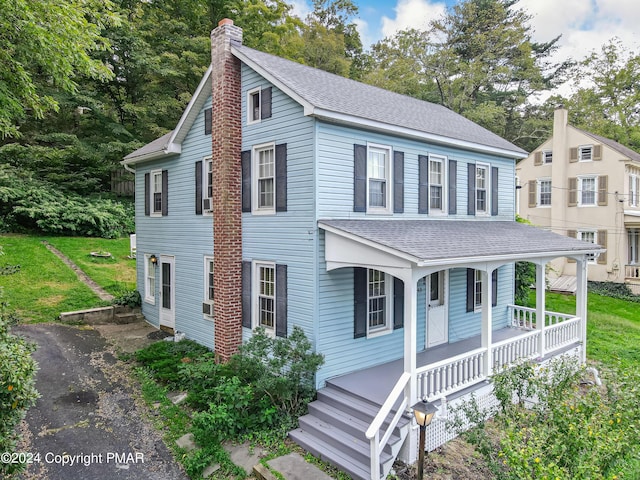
613	290
163	359
128	298
17	385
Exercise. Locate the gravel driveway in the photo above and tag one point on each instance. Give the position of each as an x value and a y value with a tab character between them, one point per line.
87	424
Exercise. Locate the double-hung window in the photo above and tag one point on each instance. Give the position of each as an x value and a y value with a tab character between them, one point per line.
588	236
156	192
634	246
634	190
477	290
149	279
207	185
482	192
436	184
265	178
378	178
207	304
587	190
544	192
266	296
379	301
253	106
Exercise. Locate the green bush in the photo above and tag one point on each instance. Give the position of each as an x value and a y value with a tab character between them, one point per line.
128	298
164	359
613	290
17	386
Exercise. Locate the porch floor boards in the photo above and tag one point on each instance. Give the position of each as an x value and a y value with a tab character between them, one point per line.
375	383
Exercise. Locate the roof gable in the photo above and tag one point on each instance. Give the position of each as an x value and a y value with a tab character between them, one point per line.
618	147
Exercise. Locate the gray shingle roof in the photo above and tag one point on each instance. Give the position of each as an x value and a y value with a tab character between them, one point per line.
341	95
156	146
626	151
429	240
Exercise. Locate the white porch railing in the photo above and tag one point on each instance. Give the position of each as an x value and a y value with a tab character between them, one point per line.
508	352
632	272
561	334
525	317
377	444
451	375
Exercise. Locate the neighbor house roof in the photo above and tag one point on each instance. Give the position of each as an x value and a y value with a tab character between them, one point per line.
338	99
626	151
458	241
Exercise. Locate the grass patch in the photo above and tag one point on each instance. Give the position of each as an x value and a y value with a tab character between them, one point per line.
116	274
43	286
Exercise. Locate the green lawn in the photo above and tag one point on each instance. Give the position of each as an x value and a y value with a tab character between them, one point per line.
613	326
44	286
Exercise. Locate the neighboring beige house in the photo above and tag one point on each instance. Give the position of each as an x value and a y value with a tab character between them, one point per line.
586	186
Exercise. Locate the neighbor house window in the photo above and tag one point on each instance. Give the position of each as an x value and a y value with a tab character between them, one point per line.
634	190
207	305
588	236
156	192
547	156
149	279
544	192
587	190
482	183
585	153
264	186
379	301
266	296
253	106
378	181
436	184
634	247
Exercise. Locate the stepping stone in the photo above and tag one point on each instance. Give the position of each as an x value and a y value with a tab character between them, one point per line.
243	455
186	442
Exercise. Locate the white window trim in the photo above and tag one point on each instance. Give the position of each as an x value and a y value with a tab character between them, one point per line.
255	209
250	94
255	295
388	327
205	162
445	191
150	296
205	293
153	212
544	156
487	188
591	258
595	191
539	192
388	196
477	281
580	147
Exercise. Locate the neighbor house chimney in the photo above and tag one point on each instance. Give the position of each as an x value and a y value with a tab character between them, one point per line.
226	138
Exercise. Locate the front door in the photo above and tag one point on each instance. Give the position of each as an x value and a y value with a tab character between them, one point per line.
437	318
167	295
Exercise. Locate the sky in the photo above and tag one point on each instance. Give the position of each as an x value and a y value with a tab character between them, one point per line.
585	25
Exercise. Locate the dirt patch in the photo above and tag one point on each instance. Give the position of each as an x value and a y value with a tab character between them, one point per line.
51	300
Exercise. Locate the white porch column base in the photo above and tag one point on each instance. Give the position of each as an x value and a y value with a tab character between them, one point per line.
487	327
541	288
409	451
581	303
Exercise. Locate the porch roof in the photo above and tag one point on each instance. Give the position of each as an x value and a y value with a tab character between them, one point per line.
433	242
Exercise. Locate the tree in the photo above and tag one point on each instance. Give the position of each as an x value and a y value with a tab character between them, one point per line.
47	42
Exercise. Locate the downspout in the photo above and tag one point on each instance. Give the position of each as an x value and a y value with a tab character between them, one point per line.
128	168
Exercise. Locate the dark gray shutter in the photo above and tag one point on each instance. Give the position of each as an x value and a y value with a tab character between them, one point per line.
207	121
471	289
147	187
453	187
359	302
245	159
265	103
165	192
494	287
398	182
398	303
423	184
281	300
471	193
494	191
281	178
359	178
199	187
246	294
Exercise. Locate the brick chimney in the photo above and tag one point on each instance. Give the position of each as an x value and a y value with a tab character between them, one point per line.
226	138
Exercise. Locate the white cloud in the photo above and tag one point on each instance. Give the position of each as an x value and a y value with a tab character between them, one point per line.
300	8
411	14
366	37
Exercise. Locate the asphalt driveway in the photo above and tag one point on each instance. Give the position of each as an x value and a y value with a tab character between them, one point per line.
87	424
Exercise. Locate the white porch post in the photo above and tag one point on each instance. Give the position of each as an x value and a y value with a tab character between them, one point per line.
540	306
409	451
581	302
487	330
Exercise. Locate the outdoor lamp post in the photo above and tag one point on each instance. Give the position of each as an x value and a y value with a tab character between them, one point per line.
424	412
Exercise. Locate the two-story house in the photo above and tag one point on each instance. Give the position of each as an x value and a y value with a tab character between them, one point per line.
381	225
586	186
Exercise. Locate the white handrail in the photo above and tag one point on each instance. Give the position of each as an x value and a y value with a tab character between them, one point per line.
514	339
448	360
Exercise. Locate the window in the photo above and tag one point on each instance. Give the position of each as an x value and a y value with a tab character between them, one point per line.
634	190
436	185
379	301
585	153
474	289
207	304
544	192
477	289
547	156
156	192
150	278
264	187
587	190
482	181
378	173
588	236
266	302
253	106
634	247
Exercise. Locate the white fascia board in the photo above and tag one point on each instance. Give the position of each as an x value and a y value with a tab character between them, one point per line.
632	213
186	120
408	132
308	107
167	150
456	262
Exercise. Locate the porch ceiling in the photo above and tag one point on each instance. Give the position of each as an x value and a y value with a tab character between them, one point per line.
446	242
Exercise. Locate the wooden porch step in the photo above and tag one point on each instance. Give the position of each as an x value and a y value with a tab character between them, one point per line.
350	404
